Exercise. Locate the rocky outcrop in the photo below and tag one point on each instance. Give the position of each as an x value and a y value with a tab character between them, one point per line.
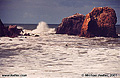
1	29
10	31
71	25
100	22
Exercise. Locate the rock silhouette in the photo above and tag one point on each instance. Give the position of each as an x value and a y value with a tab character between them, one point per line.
13	31
71	25
10	31
100	22
1	29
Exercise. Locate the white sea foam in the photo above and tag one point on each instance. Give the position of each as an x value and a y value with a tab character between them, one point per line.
19	27
47	56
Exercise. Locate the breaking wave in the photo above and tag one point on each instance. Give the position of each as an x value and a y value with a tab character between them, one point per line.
42	27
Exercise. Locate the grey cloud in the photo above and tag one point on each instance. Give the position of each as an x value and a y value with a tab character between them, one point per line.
51	11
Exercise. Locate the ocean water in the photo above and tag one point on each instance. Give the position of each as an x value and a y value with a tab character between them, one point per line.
32	26
58	56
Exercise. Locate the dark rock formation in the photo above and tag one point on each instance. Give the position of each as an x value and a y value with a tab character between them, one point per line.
1	29
71	25
27	34
36	35
100	22
13	31
10	31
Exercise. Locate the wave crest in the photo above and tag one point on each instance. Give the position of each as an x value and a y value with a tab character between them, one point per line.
41	27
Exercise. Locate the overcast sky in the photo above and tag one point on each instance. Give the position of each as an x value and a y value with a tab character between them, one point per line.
50	11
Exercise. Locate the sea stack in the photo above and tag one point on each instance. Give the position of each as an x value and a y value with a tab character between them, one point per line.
71	25
100	22
1	29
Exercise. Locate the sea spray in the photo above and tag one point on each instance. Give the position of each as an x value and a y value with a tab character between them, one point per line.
41	28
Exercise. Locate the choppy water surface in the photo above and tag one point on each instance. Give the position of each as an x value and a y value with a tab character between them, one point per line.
59	56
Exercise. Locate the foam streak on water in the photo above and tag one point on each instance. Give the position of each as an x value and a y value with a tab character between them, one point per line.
59	56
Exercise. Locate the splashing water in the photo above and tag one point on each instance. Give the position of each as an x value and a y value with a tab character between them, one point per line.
42	27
